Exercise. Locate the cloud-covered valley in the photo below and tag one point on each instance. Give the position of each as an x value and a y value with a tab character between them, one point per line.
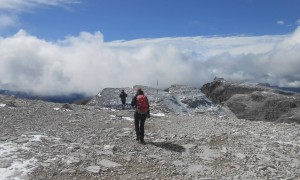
86	64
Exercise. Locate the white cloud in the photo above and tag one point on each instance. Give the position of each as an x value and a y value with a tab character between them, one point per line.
280	22
298	22
11	9
24	5
86	63
8	21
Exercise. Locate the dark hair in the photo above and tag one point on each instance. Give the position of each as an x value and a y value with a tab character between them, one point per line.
140	92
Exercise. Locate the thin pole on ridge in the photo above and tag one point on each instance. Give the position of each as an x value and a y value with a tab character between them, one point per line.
157	87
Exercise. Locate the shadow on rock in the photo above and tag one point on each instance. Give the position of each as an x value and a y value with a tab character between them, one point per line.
169	146
119	107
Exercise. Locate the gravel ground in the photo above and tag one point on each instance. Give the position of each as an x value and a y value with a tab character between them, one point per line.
40	140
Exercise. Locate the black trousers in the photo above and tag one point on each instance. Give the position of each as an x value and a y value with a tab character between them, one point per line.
123	101
139	122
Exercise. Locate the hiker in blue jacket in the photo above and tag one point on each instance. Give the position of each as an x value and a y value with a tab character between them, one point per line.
141	104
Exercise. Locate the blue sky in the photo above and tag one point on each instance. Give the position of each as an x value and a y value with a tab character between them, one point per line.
134	19
51	47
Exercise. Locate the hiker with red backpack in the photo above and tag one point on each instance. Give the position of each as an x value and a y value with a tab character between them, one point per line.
140	101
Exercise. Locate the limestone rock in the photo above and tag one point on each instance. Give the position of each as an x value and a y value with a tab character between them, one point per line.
93	169
108	163
255	102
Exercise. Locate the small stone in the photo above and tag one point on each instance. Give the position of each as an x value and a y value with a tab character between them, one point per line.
178	163
291	178
237	177
224	150
68	171
107	163
240	155
197	168
45	164
109	147
74	160
5	163
262	168
159	140
127	129
140	160
93	169
33	144
189	146
106	152
128	158
154	157
3	138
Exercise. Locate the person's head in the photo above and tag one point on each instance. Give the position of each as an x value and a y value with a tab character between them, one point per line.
122	90
139	91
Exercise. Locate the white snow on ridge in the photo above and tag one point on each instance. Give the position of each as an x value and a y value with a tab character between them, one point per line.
2	105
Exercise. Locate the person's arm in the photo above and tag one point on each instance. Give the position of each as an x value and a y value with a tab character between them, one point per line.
133	101
148	113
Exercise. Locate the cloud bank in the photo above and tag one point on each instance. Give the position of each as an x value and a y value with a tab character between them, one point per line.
87	64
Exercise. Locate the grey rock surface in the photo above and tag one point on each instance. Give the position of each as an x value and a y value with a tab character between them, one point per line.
178	99
39	140
255	102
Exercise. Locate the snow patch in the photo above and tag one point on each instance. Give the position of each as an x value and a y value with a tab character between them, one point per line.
128	118
105	108
19	167
157	114
15	166
57	109
2	105
37	137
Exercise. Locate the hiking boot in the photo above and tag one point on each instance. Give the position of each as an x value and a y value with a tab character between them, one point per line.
137	138
142	141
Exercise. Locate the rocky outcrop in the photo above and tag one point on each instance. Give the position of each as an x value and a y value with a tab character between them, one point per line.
176	99
255	102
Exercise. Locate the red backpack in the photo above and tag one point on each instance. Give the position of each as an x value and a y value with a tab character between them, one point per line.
142	104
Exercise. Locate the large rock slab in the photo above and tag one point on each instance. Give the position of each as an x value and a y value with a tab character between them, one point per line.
255	102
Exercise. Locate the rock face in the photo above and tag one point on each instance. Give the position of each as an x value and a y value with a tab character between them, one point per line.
255	102
178	99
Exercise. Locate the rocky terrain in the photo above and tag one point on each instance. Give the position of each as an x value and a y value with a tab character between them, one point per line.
177	99
255	102
187	137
